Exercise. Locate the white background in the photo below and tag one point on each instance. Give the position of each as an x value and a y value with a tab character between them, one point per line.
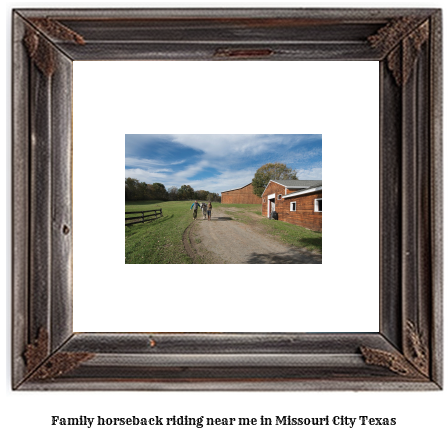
418	414
115	98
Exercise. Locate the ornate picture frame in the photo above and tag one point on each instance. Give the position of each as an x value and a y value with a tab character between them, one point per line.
406	353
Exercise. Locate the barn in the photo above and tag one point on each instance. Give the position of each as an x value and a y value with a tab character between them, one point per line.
298	202
242	195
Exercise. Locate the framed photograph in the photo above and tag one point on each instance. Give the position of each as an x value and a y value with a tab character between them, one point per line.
50	353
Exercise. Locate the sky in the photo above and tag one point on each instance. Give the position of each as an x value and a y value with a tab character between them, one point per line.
217	163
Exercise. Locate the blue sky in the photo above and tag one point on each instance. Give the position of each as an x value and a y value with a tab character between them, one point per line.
216	162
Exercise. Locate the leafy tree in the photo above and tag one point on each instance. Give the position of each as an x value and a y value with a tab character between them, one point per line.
144	191
186	192
270	171
131	185
159	191
213	197
201	195
172	193
137	191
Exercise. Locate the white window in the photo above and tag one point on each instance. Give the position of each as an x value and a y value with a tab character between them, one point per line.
279	196
292	206
318	205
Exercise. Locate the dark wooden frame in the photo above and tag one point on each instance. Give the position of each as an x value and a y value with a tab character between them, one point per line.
406	354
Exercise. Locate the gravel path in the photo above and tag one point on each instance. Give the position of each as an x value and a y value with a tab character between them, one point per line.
225	240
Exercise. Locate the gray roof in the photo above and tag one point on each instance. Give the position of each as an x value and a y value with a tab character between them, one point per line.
317	183
308	183
304	190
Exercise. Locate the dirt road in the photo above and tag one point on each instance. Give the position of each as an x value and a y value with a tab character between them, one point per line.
226	240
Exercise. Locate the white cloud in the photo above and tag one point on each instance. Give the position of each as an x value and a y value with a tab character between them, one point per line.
224	154
147	175
299	156
144	162
227	180
314	173
222	146
190	171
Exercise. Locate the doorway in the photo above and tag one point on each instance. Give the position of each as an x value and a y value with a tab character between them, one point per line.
271	204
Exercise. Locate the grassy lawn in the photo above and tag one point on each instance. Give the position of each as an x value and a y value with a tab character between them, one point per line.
294	235
159	241
241	210
287	233
244	207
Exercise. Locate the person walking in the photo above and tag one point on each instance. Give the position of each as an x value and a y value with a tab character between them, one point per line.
195	207
209	210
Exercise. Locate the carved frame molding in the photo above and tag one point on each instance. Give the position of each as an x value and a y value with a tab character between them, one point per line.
406	354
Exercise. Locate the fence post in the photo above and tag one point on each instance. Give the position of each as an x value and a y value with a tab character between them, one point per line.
143	217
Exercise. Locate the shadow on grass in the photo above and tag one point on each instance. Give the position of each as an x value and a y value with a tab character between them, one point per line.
314	242
164	218
290	257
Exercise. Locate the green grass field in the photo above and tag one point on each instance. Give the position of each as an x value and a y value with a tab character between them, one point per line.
159	241
294	235
244	207
239	211
288	233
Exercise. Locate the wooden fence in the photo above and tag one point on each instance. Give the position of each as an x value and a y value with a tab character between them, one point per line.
138	219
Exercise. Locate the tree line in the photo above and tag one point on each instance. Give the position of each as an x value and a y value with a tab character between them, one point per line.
140	191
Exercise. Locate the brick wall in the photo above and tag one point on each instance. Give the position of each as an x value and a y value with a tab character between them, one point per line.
305	216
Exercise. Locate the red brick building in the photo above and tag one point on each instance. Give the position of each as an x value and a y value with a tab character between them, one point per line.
243	195
295	201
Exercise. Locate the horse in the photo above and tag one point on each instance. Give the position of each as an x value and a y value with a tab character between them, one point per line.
204	210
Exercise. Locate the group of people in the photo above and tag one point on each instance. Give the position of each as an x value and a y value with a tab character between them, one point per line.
206	210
